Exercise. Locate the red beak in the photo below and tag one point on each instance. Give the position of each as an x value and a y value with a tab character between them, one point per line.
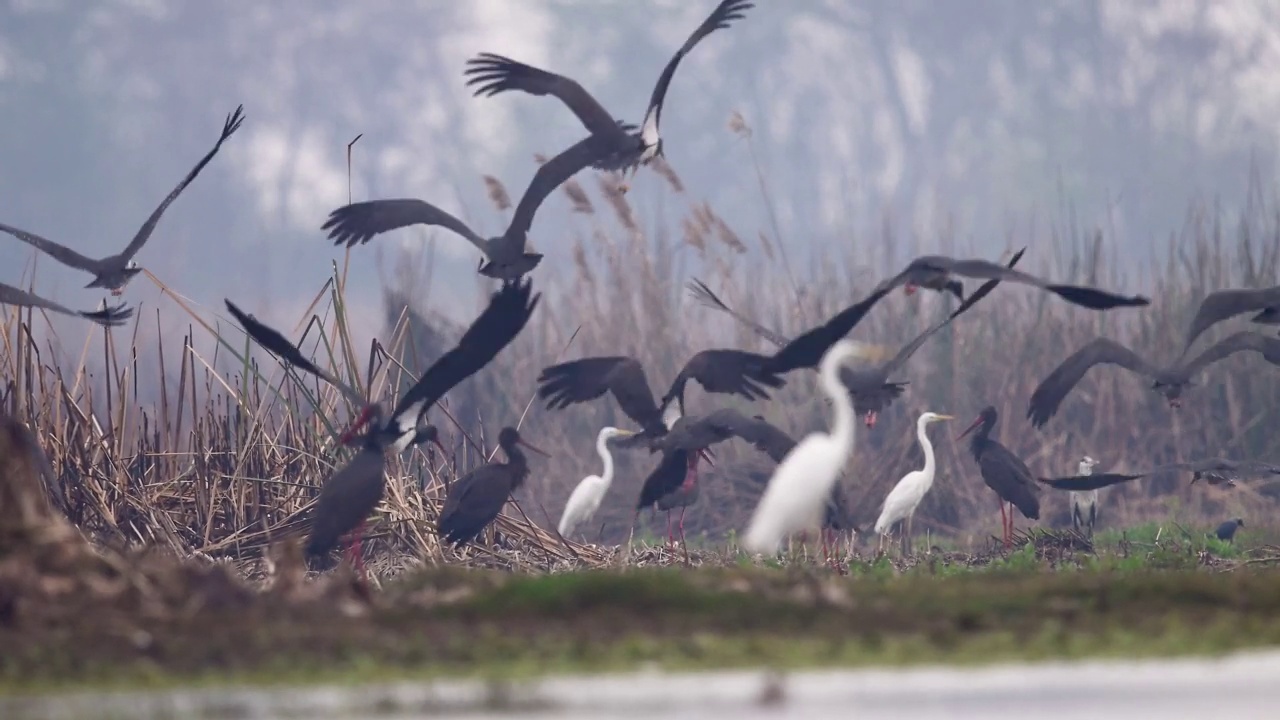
360	422
909	289
538	450
970	429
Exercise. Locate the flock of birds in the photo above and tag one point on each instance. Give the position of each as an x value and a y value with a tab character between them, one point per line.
801	493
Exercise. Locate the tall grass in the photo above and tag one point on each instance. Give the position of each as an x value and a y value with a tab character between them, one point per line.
232	454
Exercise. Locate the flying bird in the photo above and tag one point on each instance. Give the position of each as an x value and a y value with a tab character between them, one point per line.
1226	304
1169	381
505	256
115	271
700	433
1214	471
112	316
476	499
1003	472
936	272
629	147
586	497
901	502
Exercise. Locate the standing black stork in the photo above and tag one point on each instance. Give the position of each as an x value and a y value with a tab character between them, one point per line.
112	316
629	147
870	387
344	506
1003	472
115	271
1169	381
476	499
673	481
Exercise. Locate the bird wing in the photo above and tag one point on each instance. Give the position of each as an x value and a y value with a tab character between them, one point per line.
107	317
1092	298
281	347
1084	483
720	425
703	294
496	73
725	13
553	174
806	350
498	324
61	253
578	381
229	127
345	499
357	223
1012	480
1051	391
1232	344
733	372
1225	304
666	477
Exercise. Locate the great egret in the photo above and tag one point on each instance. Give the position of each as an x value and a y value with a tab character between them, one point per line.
476	499
1084	504
797	493
901	503
585	498
1003	472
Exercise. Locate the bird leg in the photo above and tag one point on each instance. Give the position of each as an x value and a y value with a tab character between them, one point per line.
905	540
1004	525
671	538
871	419
1008	534
684	545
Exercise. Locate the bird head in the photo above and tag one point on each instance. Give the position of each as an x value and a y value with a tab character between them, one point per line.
428	433
509	437
985	418
1086	465
933	417
610	433
1172	391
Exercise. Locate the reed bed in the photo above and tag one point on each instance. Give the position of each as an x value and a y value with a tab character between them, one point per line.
231	456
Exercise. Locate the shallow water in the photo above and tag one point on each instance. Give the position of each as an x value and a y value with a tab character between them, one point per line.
1243	685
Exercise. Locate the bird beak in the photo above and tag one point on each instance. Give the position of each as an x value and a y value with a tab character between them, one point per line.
944	417
360	422
538	450
909	289
970	429
440	445
707	455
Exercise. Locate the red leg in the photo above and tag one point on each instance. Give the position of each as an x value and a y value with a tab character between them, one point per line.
1004	523
682	525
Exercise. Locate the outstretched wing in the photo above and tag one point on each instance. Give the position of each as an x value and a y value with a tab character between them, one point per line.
1053	389
1091	298
61	253
703	294
1226	304
807	350
107	317
281	347
496	73
766	437
1084	483
725	13
1238	342
733	372
578	381
229	126
357	223
508	312
553	174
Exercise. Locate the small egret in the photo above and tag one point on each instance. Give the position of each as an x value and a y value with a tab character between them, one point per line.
476	499
801	484
585	499
905	497
1003	472
1084	504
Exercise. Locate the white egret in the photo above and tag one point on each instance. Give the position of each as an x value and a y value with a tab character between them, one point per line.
797	493
1084	504
585	499
905	497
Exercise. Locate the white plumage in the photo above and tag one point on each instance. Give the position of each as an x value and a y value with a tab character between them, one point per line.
905	497
797	493
1084	503
585	499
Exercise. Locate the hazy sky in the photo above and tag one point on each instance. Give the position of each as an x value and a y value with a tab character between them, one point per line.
974	116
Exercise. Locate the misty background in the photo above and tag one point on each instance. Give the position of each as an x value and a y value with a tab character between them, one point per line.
985	121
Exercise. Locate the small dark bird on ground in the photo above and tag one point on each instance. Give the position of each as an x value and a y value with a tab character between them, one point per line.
1227	530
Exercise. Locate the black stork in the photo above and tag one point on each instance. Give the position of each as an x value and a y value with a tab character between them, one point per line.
672	481
870	387
476	499
505	256
113	316
1003	472
936	272
1170	381
1227	530
362	480
629	147
1214	471
115	271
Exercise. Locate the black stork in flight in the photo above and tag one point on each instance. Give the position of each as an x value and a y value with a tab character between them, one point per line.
476	499
348	497
1214	471
115	271
1225	304
629	147
1169	381
1003	472
113	316
505	256
870	387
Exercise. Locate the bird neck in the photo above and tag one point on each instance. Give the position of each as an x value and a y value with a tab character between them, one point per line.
922	433
602	447
842	422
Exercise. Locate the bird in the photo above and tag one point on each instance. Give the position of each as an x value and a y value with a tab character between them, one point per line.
1003	472
1170	381
936	272
734	372
1084	504
1214	471
901	502
505	256
870	387
629	146
797	494
115	271
1225	304
585	498
113	316
675	475
476	499
1226	532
